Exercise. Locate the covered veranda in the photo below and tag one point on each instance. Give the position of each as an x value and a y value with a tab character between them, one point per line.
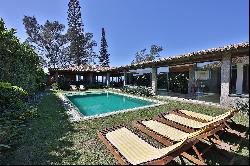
217	75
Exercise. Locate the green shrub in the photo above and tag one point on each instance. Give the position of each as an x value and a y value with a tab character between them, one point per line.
12	123
138	90
12	97
14	112
242	106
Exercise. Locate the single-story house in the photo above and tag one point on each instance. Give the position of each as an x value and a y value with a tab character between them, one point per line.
223	71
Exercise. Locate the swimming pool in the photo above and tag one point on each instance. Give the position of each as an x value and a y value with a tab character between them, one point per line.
95	104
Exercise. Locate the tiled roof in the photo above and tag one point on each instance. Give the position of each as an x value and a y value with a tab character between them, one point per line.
83	67
189	56
234	61
193	54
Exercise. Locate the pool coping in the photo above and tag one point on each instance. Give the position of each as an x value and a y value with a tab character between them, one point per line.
75	114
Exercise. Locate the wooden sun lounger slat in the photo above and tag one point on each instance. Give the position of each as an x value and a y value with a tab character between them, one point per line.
177	112
180	113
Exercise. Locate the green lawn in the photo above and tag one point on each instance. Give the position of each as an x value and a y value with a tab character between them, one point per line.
52	139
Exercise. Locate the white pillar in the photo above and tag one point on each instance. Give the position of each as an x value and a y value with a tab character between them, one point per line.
225	79
125	78
239	81
154	80
108	79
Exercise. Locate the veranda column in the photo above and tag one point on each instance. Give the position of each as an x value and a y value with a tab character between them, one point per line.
191	79
167	75
125	78
225	79
154	80
130	78
90	78
94	78
239	81
108	80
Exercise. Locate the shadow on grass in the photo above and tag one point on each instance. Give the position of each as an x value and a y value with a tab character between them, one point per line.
238	140
220	156
217	156
47	138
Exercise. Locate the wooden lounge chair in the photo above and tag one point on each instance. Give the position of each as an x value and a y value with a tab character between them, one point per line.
129	148
190	125
206	118
168	135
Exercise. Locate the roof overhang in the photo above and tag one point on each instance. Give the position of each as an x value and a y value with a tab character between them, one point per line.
214	54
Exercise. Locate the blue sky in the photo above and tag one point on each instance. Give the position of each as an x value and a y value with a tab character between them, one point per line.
180	26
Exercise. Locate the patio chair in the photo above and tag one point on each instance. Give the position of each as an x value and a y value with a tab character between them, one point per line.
128	148
73	87
82	87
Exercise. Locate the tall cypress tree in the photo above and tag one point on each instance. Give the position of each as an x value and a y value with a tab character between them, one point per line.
81	44
104	56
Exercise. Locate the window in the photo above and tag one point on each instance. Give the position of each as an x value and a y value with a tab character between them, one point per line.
246	79
239	80
233	79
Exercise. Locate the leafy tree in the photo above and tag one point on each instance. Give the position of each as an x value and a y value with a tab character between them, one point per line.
48	40
139	56
81	44
104	56
19	64
142	56
154	52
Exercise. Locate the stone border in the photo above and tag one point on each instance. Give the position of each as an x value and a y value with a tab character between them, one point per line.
76	115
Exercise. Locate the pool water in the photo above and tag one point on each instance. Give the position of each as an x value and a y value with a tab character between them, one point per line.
95	104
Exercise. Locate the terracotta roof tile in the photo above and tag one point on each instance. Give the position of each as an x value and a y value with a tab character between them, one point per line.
84	67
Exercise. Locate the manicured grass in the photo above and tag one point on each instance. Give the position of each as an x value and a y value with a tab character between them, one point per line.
52	139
